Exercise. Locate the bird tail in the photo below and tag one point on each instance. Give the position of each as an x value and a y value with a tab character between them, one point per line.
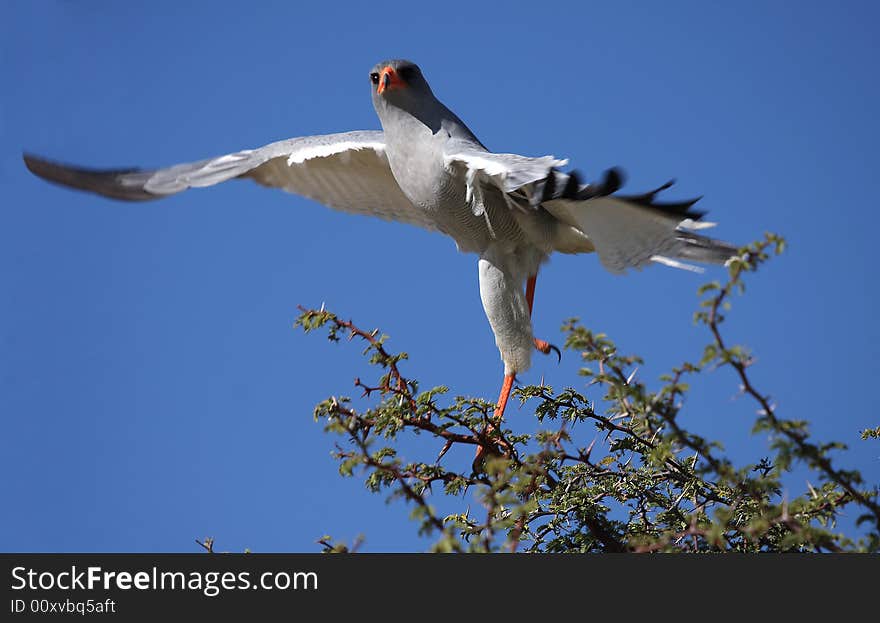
689	247
697	248
633	231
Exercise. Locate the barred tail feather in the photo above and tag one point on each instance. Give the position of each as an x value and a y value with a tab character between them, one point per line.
697	248
637	230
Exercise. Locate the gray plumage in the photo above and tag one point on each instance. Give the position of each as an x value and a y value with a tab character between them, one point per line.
428	169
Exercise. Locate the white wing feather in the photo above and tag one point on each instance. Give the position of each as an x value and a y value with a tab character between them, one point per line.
347	171
625	233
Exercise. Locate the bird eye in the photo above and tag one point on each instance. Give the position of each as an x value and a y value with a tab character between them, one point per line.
374	78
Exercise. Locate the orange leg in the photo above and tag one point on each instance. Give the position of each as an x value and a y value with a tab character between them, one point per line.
506	388
530	291
541	345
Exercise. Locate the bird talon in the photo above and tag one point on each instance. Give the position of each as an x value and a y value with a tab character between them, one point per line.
546	347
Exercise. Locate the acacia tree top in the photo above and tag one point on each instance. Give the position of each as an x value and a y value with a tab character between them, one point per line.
651	485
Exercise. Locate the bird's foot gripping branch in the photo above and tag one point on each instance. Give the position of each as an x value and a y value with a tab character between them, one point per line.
647	483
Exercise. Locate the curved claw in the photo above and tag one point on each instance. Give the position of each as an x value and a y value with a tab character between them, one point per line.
546	347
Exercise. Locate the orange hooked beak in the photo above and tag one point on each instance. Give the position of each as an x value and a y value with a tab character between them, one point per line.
389	79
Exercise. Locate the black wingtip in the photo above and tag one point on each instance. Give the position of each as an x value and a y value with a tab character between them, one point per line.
613	180
678	209
35	164
573	185
49	170
102	182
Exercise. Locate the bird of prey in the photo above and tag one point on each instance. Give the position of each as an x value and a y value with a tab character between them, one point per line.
427	168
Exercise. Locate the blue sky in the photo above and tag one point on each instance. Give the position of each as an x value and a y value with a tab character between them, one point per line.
152	389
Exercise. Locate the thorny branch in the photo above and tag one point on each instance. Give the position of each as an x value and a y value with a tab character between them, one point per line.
651	485
795	434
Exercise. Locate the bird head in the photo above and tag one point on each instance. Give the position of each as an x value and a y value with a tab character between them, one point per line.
396	82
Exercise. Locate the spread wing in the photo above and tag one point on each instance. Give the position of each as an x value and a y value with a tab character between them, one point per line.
347	171
626	231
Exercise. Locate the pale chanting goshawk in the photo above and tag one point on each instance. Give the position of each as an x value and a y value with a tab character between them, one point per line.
428	169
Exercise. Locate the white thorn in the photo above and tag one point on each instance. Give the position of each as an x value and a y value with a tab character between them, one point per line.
630	378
